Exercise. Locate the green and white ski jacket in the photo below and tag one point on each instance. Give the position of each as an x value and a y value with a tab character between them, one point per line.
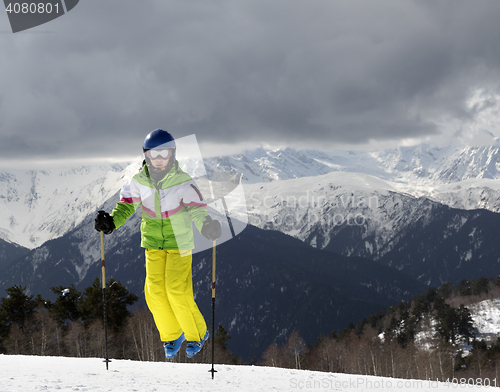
168	207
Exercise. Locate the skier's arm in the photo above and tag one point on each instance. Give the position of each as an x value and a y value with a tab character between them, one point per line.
198	215
195	203
130	200
197	208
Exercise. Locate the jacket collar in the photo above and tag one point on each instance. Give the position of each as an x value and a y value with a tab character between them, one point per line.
174	169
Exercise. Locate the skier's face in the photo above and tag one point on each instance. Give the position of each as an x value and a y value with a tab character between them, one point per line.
160	158
160	162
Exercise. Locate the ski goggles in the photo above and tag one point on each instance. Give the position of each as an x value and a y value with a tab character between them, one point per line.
164	154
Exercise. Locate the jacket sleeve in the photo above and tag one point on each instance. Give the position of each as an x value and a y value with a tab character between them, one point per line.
130	200
195	203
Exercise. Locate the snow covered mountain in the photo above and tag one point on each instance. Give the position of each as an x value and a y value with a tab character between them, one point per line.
42	204
423	162
461	177
384	206
38	205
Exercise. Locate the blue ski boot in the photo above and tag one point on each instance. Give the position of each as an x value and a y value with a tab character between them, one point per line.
194	347
173	347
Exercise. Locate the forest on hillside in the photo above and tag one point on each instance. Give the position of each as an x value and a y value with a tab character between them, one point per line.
430	337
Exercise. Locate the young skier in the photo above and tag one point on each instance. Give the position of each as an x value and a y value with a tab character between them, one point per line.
170	200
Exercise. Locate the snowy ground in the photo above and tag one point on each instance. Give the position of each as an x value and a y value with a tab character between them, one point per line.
27	373
486	316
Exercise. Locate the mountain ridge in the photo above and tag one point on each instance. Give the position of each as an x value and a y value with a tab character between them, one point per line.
43	204
265	279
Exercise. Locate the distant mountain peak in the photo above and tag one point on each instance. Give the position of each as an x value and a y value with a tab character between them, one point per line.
43	204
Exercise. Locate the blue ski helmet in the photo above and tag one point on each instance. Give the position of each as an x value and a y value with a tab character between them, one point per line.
158	139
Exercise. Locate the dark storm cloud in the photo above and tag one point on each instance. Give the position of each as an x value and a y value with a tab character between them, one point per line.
284	71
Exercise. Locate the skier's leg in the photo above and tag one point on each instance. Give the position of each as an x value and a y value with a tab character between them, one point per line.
156	296
179	287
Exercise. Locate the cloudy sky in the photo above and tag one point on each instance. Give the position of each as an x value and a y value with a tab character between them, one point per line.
300	73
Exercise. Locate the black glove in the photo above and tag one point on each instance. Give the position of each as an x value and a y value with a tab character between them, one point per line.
104	222
211	229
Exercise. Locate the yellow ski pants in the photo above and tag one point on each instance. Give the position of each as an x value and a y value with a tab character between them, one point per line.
169	295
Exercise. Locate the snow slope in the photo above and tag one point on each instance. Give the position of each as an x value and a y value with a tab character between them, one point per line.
30	373
486	316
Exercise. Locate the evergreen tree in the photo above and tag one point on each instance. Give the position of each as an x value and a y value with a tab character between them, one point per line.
464	288
440	306
222	353
480	286
18	307
456	324
445	290
66	307
4	328
465	327
447	324
118	298
221	337
421	306
431	294
375	318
